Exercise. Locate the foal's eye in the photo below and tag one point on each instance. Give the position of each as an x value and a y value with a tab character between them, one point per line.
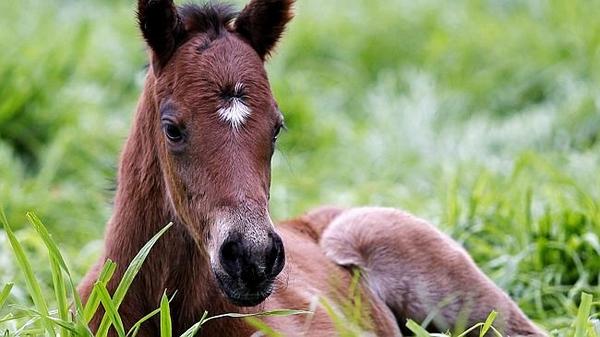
277	132
172	132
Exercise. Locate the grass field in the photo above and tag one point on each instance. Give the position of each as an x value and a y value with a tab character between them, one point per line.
480	116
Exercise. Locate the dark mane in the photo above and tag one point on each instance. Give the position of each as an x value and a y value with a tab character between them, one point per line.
210	18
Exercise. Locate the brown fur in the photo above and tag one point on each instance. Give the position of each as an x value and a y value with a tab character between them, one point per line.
215	183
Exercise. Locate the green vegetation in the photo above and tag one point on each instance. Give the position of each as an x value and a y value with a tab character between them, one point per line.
74	321
76	324
481	116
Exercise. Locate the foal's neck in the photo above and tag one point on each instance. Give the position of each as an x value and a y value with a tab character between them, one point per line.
142	208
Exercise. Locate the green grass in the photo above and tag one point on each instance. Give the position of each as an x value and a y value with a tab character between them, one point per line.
40	321
481	116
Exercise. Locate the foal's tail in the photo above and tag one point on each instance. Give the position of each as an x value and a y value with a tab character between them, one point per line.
420	273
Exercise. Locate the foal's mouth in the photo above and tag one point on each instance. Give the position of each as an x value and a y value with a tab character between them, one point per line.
238	294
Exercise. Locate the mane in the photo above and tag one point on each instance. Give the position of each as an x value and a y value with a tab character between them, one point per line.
212	18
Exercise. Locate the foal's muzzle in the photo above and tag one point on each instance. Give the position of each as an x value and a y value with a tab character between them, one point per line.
249	267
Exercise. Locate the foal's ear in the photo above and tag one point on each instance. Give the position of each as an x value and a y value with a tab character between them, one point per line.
162	29
262	22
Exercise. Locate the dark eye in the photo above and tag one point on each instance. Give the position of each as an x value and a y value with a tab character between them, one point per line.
276	132
172	132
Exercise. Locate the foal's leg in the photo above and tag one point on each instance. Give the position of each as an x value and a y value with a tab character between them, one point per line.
417	270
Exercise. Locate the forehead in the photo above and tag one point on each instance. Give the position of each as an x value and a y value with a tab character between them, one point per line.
218	68
222	61
222	74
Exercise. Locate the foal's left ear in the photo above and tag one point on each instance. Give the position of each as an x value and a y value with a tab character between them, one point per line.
262	22
162	28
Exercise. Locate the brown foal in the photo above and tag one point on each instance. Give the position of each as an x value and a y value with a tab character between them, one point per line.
199	154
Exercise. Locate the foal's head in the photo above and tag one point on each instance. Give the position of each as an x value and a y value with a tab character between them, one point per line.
216	123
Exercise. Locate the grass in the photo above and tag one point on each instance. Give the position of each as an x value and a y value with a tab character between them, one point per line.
64	322
481	116
40	321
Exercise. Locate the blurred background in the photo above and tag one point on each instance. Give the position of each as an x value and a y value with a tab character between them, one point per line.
480	116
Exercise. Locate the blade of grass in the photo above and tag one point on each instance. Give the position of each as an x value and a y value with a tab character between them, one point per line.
128	276
262	327
54	253
271	313
341	325
9	317
60	293
416	329
91	306
30	332
475	327
77	328
26	325
354	294
83	330
166	329
135	328
110	308
35	315
57	264
15	314
4	293
488	323
193	330
581	322
32	285
47	238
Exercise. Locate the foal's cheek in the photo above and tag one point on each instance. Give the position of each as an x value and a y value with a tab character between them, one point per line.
184	198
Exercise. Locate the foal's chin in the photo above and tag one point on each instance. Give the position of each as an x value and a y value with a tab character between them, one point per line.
239	294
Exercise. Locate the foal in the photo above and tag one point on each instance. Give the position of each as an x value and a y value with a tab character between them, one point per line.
199	155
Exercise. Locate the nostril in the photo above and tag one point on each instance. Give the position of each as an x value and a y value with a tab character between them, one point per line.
230	255
271	257
276	256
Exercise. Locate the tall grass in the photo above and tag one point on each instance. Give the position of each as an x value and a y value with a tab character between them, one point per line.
65	322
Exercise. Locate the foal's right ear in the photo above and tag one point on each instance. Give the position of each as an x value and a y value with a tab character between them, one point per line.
162	29
262	22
